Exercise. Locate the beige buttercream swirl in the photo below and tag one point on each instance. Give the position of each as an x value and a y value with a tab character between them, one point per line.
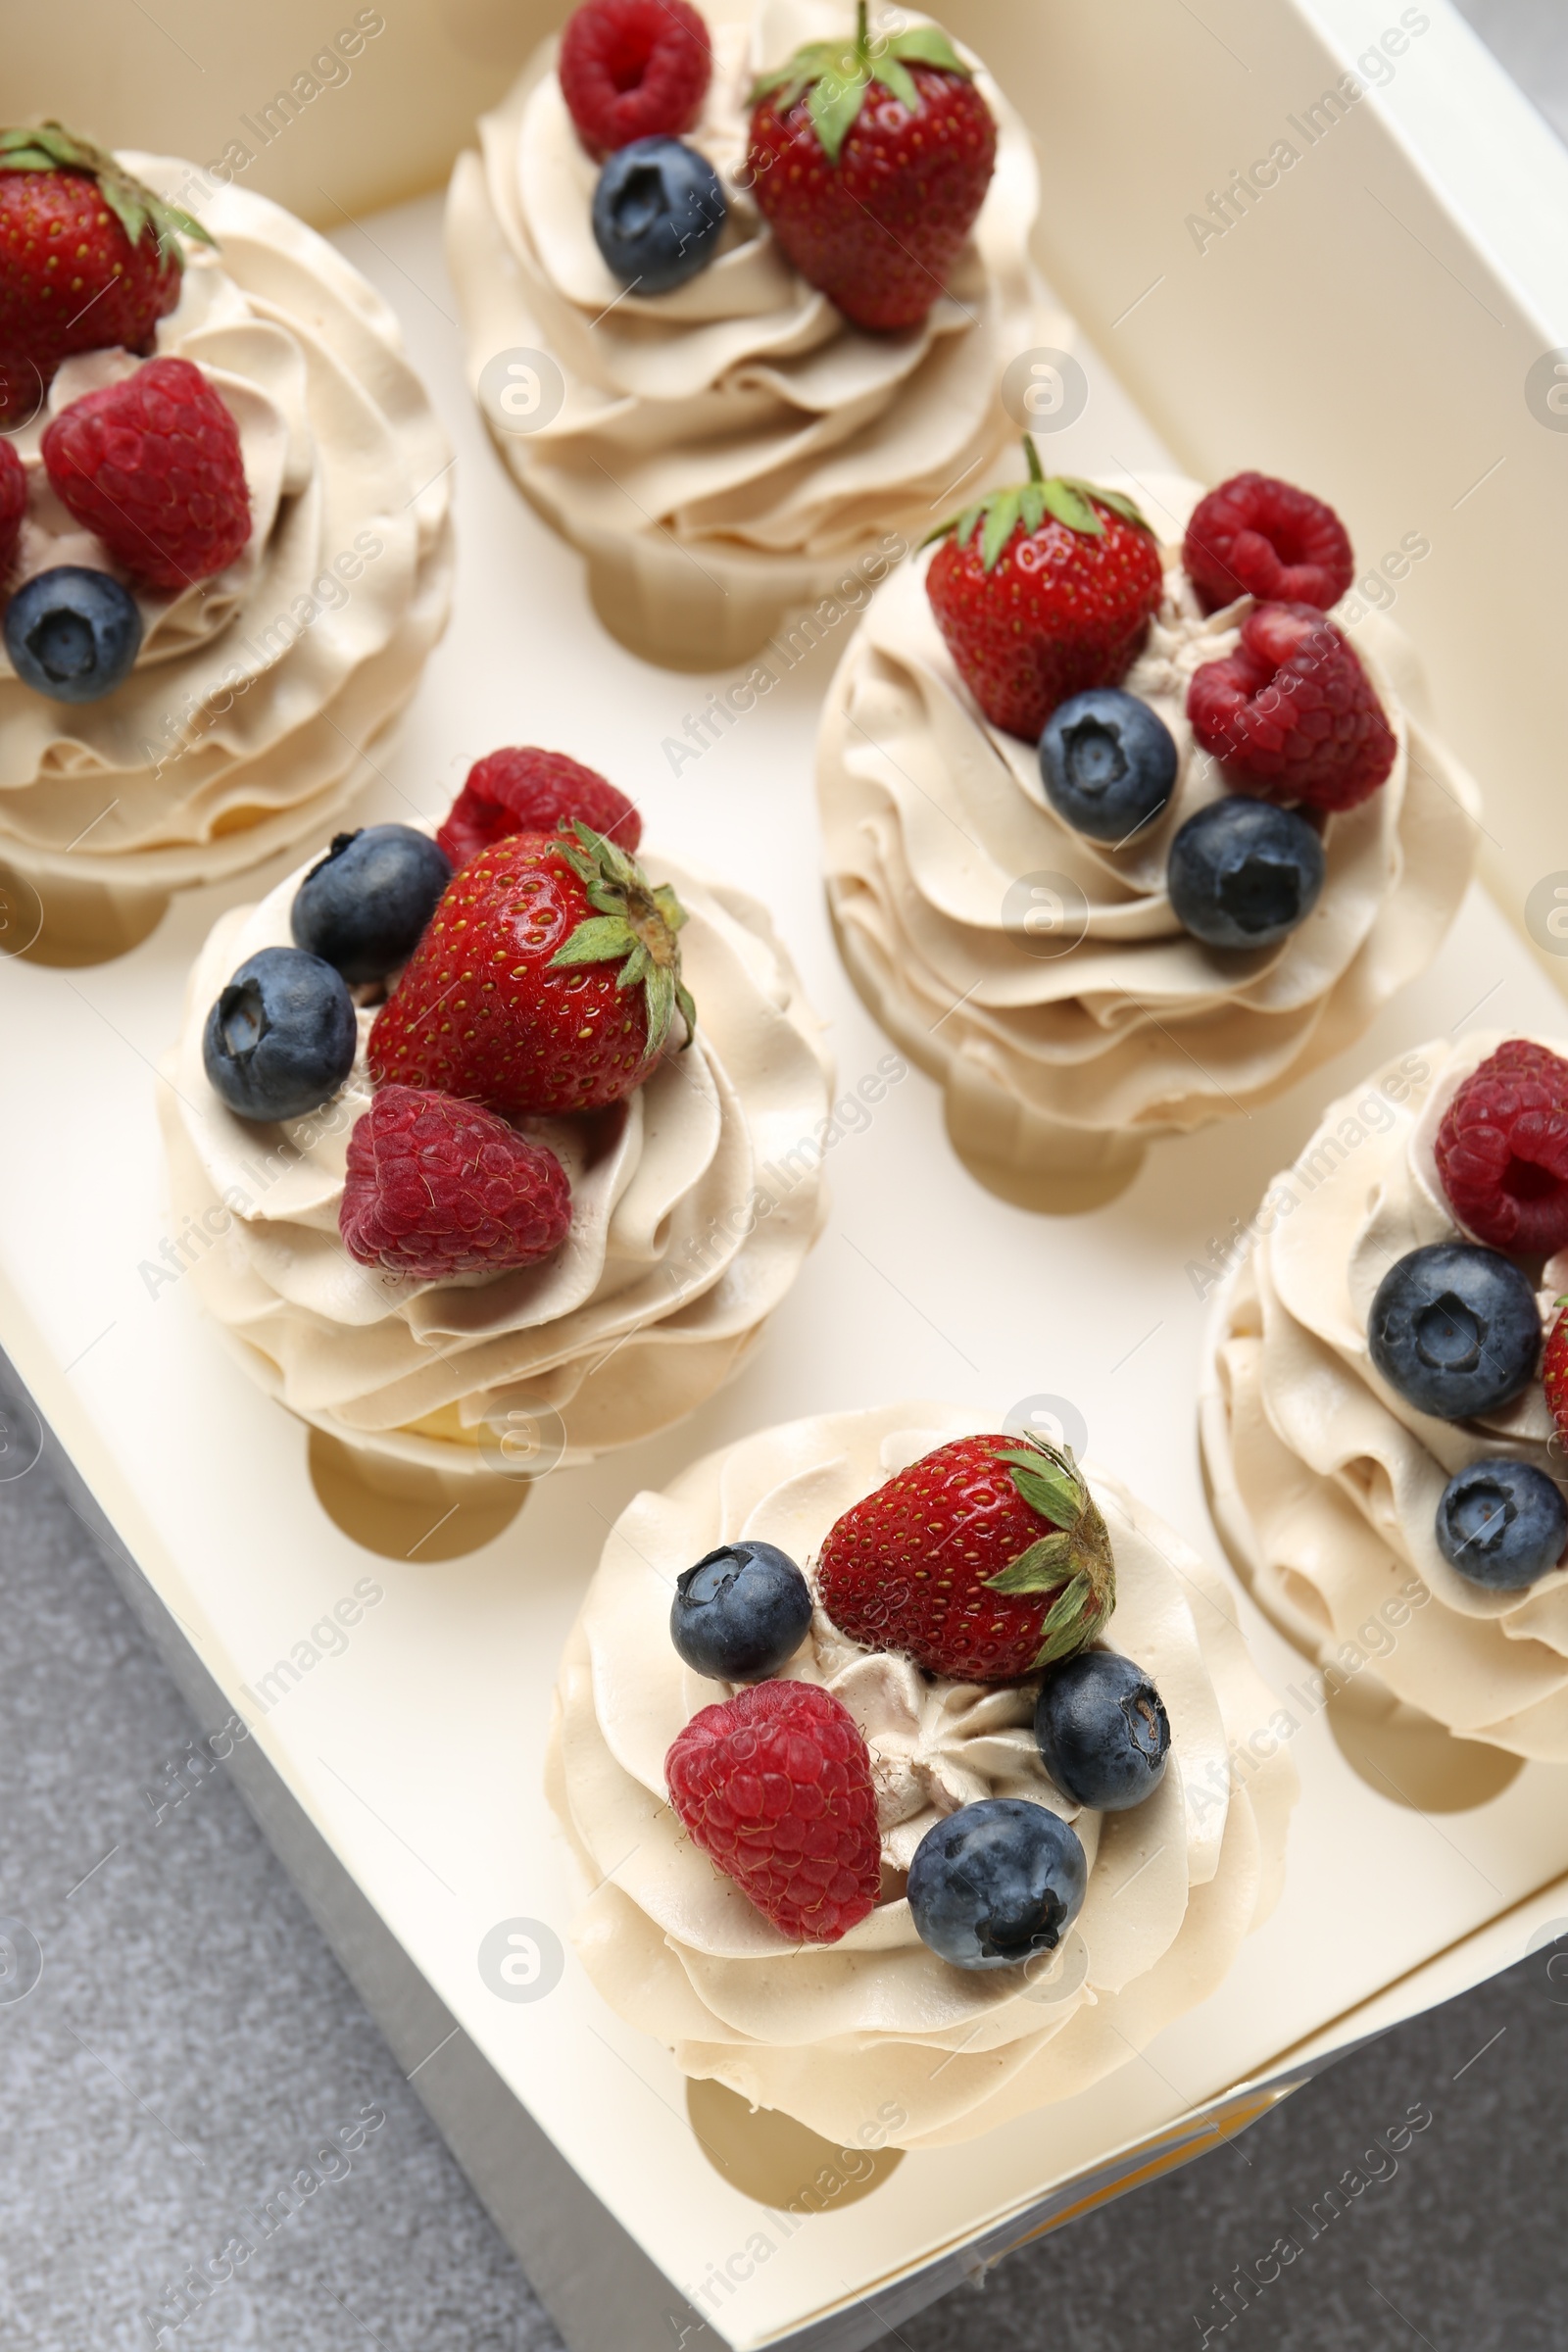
693	1207
1326	1483
737	433
241	728
1113	1023
830	2033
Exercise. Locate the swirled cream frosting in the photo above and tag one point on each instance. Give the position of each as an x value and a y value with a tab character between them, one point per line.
876	2023
735	446
240	730
1325	1482
693	1206
1043	977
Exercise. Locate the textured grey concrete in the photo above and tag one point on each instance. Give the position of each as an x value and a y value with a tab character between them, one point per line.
1531	37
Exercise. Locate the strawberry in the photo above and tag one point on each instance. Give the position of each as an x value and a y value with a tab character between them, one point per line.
1555	1370
546	980
1043	591
985	1560
88	258
13	508
869	163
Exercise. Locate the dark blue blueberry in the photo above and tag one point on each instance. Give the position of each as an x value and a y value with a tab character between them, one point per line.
365	905
1102	1730
741	1613
658	214
996	1883
72	634
281	1039
1242	873
1455	1330
1108	763
1502	1524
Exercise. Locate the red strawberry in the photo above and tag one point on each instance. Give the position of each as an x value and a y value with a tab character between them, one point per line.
153	465
1256	536
88	259
1502	1151
1052	595
13	507
634	69
985	1560
523	789
869	163
548	979
436	1187
1293	714
775	1787
1555	1370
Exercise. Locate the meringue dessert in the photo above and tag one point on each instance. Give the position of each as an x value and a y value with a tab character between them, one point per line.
1237	837
494	1152
830	1867
689	407
1385	1403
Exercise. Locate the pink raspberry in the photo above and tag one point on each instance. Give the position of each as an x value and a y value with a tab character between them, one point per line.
523	789
775	1787
438	1187
153	465
1293	712
1502	1151
1255	536
13	505
634	69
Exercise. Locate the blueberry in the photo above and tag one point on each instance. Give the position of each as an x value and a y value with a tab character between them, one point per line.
1454	1329
281	1037
658	212
1108	763
365	905
1502	1524
741	1613
71	633
1242	873
1102	1731
996	1883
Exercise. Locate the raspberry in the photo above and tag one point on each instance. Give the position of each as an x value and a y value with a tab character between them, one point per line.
13	505
438	1187
1555	1373
523	789
1502	1151
775	1787
1255	536
153	465
634	69
1292	711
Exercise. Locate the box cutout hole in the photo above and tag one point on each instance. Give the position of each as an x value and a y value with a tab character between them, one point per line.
403	1512
776	2160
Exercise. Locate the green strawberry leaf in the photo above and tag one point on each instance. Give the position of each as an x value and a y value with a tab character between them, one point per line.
1040	1569
1076	1555
834	104
1065	500
1001	516
1067	503
50	147
1071	1622
838	78
928	45
600	940
1119	504
634	925
900	81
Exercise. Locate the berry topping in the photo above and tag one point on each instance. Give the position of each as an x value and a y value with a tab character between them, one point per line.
88	259
436	1188
523	789
775	1787
548	979
1102	1731
1042	592
985	1560
1502	1524
741	1613
71	633
1293	711
1108	763
996	1883
634	69
1555	1370
1243	874
1502	1151
1255	536
153	465
658	212
13	505
281	1037
869	162
1455	1330
365	905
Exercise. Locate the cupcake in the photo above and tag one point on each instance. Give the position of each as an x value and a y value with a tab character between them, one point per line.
1384	1413
223	527
737	344
916	1771
495	1150
1128	827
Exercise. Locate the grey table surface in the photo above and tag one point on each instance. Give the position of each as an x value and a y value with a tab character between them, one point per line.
192	2039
